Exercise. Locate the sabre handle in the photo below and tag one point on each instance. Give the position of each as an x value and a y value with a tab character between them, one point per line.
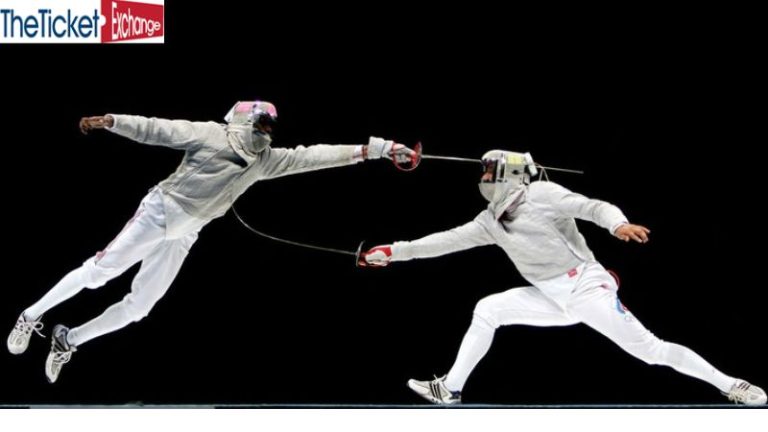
412	162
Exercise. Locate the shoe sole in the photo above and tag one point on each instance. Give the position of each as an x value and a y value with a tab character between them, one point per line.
17	352
16	349
48	367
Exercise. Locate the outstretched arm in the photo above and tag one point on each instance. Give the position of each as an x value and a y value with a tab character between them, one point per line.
467	236
178	134
281	161
599	212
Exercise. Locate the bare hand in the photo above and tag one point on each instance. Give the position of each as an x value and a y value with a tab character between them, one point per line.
629	231
98	122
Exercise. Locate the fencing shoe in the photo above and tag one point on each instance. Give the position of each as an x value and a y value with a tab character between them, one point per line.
435	391
18	340
746	393
61	353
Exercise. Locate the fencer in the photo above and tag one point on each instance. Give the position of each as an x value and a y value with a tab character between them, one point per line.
221	160
534	223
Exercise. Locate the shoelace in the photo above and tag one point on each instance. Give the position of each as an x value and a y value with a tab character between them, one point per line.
740	392
26	328
439	390
61	357
434	387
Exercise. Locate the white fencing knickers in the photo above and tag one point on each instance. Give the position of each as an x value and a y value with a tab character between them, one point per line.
586	295
143	239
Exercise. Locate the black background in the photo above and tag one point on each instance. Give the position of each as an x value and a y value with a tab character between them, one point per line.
663	114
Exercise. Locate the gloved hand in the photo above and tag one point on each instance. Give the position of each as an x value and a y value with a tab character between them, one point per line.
378	147
378	256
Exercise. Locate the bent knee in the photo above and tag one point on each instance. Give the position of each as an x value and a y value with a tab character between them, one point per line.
137	308
96	275
486	312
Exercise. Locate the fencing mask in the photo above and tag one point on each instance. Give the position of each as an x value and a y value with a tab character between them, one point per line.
259	118
505	175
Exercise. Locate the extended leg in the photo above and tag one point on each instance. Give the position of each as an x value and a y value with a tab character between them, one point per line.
139	237
601	309
151	282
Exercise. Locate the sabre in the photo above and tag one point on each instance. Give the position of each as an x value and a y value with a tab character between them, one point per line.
449	158
418	156
413	161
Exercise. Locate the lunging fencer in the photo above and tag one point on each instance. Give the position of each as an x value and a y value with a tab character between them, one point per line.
534	223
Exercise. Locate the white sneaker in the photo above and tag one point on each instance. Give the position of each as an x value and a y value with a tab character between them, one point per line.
18	340
60	354
435	391
746	393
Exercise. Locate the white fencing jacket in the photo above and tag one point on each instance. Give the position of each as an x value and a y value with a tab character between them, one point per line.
217	166
541	238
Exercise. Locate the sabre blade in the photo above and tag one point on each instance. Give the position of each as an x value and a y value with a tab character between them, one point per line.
461	159
450	158
572	171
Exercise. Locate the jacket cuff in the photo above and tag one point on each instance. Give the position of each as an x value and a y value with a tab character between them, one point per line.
359	154
616	226
115	120
398	251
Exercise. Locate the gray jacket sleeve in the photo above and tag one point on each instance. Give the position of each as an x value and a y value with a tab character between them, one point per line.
578	206
469	235
282	161
177	134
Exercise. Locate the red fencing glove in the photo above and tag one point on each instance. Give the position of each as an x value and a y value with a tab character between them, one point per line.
378	256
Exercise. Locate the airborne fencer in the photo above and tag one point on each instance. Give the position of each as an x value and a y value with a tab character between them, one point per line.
220	162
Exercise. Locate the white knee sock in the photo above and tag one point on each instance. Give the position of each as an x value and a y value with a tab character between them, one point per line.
686	361
68	286
473	348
